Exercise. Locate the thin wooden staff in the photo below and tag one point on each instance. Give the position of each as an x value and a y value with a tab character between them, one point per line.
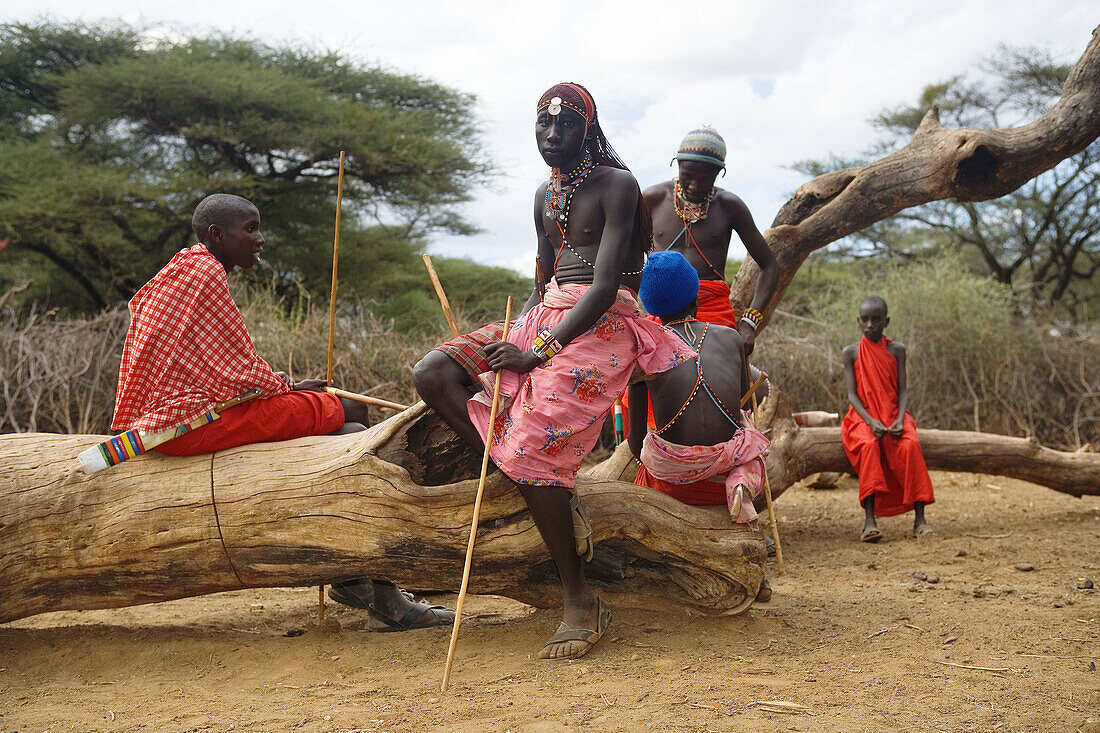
768	489
442	297
335	259
751	393
365	399
332	330
477	508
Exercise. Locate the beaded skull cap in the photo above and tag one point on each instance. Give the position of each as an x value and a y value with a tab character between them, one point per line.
703	145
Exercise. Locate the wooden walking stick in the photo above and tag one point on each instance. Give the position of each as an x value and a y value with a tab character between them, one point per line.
332	330
768	489
751	394
442	297
477	508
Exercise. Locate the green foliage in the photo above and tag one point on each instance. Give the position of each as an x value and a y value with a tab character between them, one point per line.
108	140
1042	240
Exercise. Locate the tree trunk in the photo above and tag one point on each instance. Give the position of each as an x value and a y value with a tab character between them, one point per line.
798	452
393	502
938	163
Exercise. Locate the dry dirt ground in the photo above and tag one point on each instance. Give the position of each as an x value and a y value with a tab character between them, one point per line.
854	640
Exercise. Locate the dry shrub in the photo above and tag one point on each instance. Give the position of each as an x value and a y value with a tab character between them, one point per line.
971	364
59	375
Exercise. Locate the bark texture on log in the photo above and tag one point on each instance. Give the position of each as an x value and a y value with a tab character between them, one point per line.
393	502
938	163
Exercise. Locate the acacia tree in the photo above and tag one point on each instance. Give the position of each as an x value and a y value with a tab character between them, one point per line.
1043	239
109	139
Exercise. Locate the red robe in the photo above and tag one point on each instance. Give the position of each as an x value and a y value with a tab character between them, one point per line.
890	468
714	303
706	492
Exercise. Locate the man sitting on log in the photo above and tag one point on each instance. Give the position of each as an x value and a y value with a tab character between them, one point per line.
692	216
571	352
187	348
708	452
879	434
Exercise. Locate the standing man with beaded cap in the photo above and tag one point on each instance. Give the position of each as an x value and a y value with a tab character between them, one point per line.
697	219
571	352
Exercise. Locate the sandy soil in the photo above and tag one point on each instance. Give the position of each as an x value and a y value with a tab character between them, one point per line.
852	641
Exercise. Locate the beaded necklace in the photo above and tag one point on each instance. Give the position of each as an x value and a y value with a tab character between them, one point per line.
687	327
559	190
559	197
689	211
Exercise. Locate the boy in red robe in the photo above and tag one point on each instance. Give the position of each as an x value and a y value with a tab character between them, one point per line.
879	434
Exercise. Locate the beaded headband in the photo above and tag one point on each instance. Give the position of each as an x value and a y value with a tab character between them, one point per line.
571	96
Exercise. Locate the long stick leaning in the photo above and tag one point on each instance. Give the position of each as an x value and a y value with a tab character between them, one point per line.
768	490
335	259
477	509
332	329
442	297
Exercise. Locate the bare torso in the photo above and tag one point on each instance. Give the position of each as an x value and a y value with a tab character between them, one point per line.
584	231
702	422
712	234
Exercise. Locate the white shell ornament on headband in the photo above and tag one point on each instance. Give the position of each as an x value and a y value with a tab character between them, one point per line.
555	106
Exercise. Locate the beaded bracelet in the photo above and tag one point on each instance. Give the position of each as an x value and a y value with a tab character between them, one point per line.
546	345
753	317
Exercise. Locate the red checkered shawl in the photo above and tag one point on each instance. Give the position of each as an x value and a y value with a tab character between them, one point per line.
187	347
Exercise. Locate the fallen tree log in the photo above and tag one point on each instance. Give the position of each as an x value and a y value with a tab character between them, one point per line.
797	452
393	502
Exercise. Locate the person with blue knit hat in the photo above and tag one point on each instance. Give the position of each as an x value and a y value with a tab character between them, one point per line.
706	450
669	284
697	219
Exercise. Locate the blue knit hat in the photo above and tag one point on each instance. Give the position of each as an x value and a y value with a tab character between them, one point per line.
669	284
703	145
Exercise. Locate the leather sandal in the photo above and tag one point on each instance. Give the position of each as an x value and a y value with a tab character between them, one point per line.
582	528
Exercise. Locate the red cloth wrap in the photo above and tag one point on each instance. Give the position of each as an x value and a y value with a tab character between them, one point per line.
292	415
714	303
700	493
890	468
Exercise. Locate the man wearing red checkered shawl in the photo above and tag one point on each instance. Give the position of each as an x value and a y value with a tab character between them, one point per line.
187	348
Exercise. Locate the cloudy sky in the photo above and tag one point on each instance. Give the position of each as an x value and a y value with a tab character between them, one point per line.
782	81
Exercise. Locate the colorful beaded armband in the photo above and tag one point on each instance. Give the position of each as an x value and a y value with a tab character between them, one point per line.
753	317
546	345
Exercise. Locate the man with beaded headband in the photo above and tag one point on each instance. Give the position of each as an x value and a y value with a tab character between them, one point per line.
570	353
697	219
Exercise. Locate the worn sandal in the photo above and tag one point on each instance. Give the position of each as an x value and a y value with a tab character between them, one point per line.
582	528
587	638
